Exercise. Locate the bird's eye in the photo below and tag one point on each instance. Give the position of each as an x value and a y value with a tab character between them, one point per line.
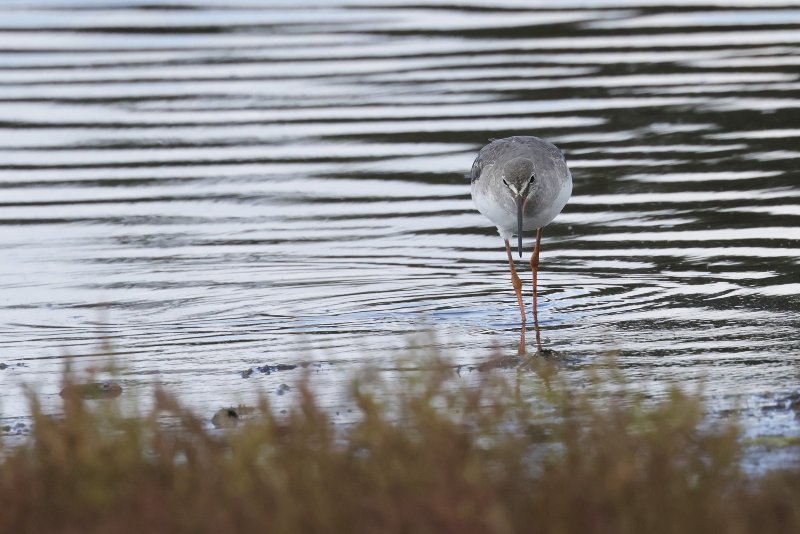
504	181
532	179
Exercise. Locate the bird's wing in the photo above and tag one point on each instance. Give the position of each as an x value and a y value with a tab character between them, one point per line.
477	168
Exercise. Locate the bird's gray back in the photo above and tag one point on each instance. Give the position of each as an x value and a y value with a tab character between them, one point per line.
500	151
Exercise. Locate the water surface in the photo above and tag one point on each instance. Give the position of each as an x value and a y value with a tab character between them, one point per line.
215	186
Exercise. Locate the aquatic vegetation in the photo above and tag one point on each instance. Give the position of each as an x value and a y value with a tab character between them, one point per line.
499	451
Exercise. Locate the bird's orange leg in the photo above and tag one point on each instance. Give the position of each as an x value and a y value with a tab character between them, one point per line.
516	281
535	270
521	349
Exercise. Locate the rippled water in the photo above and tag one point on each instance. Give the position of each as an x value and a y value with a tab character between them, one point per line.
216	187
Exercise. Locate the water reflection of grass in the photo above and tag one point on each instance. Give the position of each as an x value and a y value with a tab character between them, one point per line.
427	454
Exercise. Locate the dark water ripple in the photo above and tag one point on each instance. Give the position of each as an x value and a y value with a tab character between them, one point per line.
216	187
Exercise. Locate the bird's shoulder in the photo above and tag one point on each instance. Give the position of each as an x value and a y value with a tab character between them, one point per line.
486	156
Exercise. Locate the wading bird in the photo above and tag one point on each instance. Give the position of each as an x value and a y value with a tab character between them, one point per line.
521	184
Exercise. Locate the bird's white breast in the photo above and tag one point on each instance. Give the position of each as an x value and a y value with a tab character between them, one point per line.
502	211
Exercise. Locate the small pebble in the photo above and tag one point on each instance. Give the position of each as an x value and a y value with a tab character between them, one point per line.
269	369
225	418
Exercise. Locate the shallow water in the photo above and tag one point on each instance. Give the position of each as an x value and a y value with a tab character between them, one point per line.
214	187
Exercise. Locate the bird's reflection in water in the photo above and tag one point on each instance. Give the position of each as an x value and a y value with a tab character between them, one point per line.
544	362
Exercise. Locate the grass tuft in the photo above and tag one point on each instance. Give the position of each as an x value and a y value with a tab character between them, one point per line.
430	452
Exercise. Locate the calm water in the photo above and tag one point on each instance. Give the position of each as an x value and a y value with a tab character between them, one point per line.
216	187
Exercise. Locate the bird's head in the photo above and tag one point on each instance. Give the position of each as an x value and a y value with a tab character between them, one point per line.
519	178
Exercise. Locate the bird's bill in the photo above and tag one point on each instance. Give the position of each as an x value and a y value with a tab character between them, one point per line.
520	200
